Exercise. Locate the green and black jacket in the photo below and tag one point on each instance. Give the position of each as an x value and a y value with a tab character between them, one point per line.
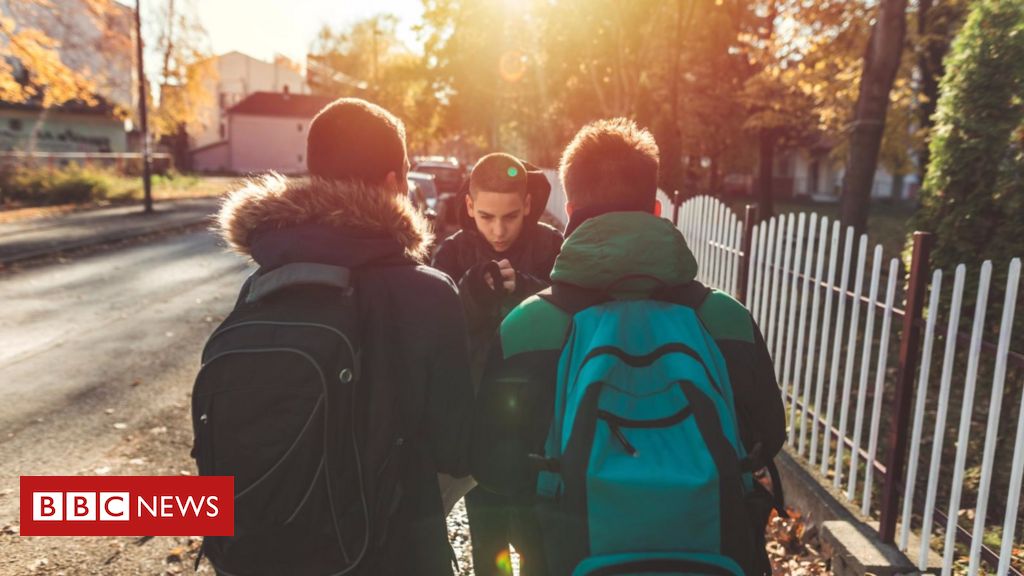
625	251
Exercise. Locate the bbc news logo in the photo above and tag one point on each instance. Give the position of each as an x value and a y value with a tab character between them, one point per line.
127	505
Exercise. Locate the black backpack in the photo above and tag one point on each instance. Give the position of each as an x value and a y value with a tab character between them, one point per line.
280	404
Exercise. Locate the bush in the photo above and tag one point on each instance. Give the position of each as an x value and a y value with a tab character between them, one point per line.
43	186
972	193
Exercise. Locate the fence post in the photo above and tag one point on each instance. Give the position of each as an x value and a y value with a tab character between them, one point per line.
910	344
749	220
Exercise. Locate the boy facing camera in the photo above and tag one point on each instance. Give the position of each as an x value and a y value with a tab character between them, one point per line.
503	253
501	256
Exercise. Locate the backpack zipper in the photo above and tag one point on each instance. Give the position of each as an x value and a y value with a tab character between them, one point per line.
617	432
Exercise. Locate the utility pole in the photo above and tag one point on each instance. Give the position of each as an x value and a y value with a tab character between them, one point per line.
146	181
376	79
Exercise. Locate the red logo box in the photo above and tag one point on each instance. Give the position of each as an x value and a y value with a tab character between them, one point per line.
127	506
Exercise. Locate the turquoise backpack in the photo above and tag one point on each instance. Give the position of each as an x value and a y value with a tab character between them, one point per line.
644	471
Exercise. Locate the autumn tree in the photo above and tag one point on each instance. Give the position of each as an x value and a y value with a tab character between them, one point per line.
780	109
186	69
881	64
368	60
33	66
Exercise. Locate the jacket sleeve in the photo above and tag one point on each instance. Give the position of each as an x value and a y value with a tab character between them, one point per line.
481	304
529	284
533	281
511	419
759	405
449	402
446	259
481	307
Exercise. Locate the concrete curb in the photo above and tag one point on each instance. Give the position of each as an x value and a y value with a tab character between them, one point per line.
98	241
849	540
80	231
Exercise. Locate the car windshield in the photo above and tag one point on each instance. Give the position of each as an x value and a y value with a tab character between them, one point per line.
425	186
448	178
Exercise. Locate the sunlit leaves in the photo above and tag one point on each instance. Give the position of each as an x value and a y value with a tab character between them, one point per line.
31	68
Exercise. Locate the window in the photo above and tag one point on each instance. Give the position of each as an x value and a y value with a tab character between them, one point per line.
300	126
223	130
300	158
15	124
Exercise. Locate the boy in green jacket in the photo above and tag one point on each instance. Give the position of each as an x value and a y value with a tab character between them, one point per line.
615	244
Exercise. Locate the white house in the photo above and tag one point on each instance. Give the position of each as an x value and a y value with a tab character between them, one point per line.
814	173
239	76
265	131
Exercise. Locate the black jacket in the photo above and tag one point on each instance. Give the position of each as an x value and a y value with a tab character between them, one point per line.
464	255
412	324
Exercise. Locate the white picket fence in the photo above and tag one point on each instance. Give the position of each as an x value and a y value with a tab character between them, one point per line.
817	293
713	233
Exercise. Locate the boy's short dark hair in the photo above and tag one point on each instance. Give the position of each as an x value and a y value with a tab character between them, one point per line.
352	139
499	172
611	163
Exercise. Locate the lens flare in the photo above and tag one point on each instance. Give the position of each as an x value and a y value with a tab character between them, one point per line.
503	562
512	65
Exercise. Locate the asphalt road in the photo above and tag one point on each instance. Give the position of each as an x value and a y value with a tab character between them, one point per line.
91	347
97	359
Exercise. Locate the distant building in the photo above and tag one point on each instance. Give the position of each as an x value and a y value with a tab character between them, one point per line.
239	76
73	127
86	41
813	172
816	174
265	131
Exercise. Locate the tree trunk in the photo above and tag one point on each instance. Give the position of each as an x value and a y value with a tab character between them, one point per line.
929	75
766	159
881	62
671	172
714	178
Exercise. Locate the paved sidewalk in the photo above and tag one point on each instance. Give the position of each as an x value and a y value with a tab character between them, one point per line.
41	237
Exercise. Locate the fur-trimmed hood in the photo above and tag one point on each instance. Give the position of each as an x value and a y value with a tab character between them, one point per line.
274	202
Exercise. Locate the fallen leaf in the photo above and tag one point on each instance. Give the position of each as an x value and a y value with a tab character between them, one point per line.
176	554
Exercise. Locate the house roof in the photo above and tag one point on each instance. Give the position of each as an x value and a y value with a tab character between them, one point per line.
280	105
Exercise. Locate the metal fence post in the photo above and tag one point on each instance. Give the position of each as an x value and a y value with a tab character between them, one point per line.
910	344
749	221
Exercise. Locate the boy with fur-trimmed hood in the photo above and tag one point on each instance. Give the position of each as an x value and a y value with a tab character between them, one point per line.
354	213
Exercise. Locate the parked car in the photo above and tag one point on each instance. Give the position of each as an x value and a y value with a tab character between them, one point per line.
423	191
448	178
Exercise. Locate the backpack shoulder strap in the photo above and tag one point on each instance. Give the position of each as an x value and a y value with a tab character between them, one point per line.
261	285
572	299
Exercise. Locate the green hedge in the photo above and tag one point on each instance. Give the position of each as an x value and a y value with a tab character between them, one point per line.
43	186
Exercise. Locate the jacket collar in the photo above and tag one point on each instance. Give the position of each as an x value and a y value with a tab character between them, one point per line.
274	202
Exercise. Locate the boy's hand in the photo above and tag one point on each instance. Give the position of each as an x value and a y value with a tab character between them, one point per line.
508	276
502	272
